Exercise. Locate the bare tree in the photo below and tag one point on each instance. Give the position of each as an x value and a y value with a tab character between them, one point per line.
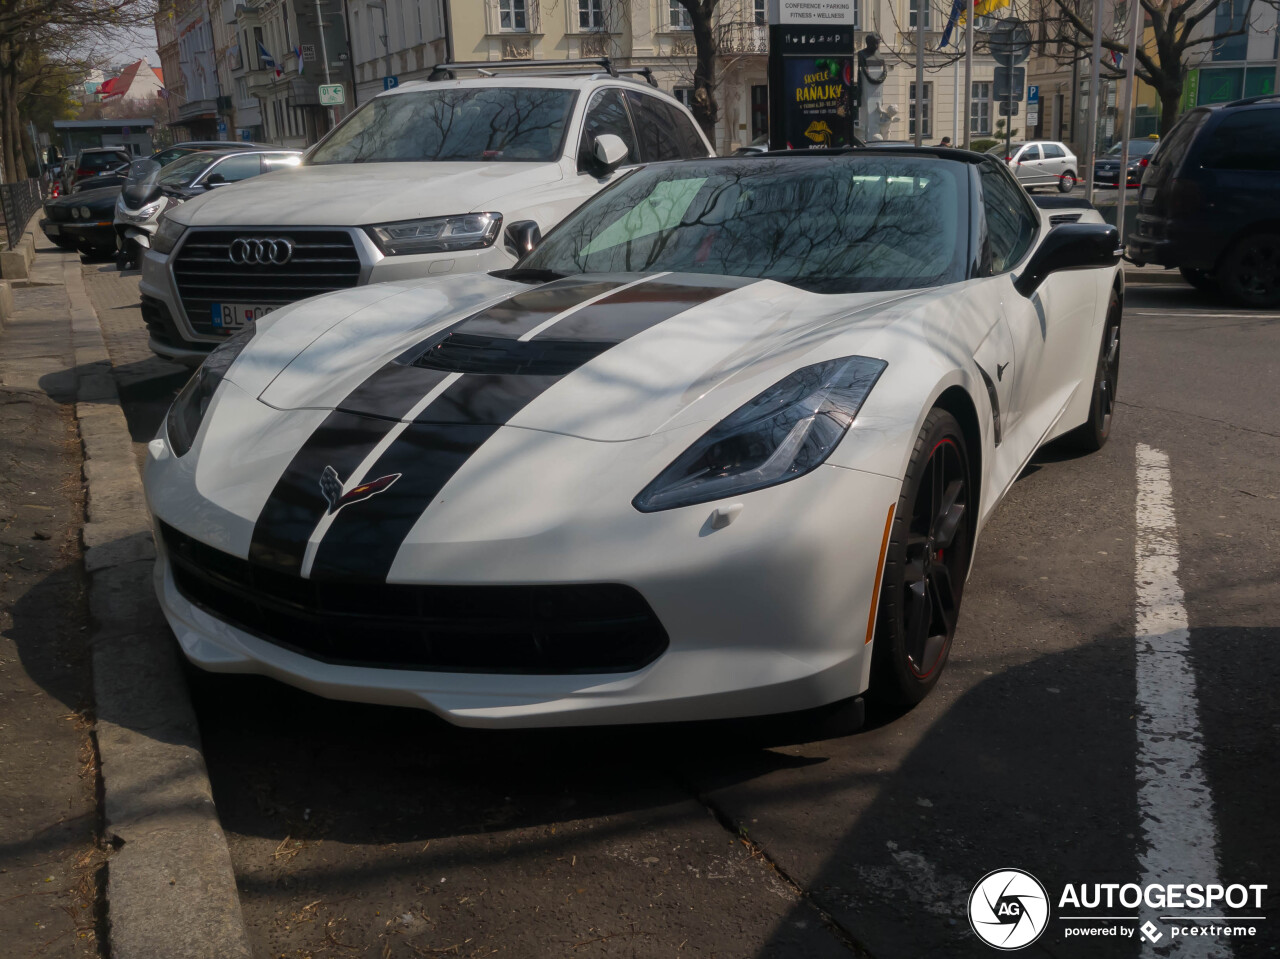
702	20
1176	30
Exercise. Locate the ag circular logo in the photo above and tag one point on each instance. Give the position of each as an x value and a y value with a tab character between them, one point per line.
1008	909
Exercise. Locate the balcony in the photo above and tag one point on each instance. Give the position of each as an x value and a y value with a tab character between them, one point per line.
742	38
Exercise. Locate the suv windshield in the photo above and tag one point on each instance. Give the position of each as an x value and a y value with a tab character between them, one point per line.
467	124
100	161
835	225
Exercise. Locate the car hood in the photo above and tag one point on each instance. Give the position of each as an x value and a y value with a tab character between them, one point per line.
362	194
603	357
87	197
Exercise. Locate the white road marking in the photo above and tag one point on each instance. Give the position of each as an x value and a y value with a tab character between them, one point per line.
1175	804
359	473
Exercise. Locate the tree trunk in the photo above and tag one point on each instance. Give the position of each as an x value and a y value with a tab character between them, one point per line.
704	107
1170	105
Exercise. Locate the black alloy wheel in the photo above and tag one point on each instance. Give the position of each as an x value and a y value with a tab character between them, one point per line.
1250	272
1092	435
1067	182
925	567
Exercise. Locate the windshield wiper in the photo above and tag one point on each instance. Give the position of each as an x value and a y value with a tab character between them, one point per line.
528	274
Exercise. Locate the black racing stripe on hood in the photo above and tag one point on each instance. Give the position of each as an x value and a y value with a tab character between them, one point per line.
362	542
375	407
297	503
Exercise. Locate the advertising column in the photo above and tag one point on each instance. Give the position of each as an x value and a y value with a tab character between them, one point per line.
813	82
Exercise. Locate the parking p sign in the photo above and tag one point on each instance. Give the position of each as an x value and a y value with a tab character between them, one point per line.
1033	94
332	95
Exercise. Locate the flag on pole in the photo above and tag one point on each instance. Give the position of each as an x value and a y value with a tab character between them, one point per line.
981	8
297	52
957	8
268	60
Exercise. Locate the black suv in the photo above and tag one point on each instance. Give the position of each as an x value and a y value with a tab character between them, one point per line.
1209	203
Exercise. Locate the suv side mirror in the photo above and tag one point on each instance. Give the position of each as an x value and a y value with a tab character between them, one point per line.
609	151
522	237
1071	246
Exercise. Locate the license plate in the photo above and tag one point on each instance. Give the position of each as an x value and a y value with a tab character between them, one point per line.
53	230
233	316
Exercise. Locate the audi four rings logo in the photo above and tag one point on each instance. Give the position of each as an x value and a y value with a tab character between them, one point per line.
271	250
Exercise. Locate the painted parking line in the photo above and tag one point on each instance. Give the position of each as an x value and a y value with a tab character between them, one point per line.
1175	804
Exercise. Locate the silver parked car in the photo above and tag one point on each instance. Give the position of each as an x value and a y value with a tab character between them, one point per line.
1041	163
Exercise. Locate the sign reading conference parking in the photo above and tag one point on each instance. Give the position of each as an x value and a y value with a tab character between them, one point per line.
813	13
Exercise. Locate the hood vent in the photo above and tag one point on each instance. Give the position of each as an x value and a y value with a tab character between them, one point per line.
472	353
1059	218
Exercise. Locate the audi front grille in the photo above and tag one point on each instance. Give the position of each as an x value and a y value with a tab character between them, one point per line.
320	261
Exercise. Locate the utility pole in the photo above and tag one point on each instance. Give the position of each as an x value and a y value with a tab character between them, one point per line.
1135	29
968	70
921	7
1091	125
324	53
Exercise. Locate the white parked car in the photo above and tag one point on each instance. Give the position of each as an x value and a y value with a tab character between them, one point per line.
1041	163
426	179
721	445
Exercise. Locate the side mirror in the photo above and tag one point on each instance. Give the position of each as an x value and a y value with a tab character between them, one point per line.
522	237
609	151
215	179
1071	246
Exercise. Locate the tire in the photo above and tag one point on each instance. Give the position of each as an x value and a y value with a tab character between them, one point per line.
1067	182
1250	271
122	260
1202	280
925	566
1092	435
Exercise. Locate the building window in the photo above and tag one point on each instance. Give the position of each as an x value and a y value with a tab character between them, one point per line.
915	4
513	15
761	16
684	95
980	108
926	114
590	14
679	16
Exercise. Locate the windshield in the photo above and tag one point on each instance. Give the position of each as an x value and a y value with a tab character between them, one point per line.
830	225
183	171
100	161
1137	148
468	124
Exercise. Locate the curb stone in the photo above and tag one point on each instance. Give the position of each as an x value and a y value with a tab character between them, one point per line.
1156	277
171	892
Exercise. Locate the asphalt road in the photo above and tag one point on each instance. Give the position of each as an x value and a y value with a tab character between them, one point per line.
371	831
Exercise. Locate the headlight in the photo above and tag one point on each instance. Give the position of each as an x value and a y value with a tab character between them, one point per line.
469	231
167	236
188	409
84	212
785	432
137	216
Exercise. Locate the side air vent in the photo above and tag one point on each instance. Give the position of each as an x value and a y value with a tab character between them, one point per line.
1059	218
471	353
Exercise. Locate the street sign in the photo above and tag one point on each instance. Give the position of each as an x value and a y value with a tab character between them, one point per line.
1033	118
1005	108
332	95
390	83
1001	82
1010	42
1033	94
308	52
807	13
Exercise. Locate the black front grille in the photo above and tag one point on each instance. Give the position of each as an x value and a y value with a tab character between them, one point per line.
322	261
591	628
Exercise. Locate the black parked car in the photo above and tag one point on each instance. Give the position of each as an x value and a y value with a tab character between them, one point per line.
83	221
1106	169
1209	203
93	162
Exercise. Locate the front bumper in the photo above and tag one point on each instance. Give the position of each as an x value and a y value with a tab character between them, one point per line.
97	237
767	615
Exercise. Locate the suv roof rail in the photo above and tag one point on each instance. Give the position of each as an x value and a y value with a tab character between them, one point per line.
1258	99
444	71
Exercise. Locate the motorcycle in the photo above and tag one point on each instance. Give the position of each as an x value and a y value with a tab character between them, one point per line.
138	210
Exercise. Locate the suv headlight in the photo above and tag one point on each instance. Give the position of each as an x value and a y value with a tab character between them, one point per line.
188	409
467	231
167	235
781	434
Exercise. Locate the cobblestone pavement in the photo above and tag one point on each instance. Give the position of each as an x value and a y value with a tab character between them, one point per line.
115	298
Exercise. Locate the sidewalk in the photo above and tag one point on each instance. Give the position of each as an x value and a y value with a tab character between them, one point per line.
160	885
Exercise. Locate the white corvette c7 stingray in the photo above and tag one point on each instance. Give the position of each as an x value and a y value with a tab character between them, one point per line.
721	445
